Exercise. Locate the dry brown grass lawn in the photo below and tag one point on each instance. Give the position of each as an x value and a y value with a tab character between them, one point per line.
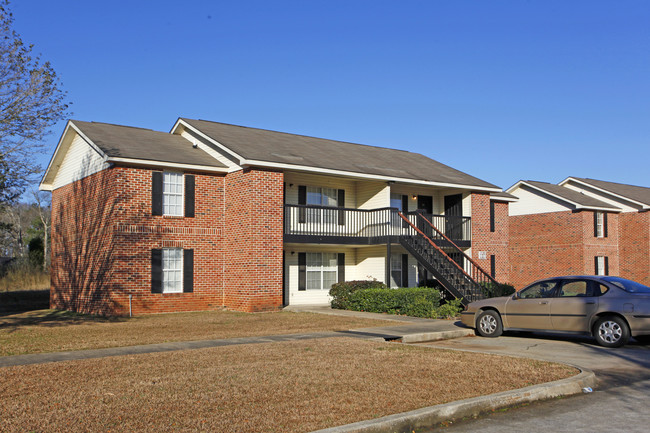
296	386
55	331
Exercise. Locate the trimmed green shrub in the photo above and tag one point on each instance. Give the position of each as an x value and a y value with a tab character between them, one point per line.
340	292
491	290
409	301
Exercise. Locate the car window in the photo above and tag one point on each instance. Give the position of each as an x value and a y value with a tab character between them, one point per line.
543	289
601	289
576	288
627	285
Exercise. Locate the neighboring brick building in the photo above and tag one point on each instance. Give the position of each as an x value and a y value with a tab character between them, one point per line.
221	216
579	227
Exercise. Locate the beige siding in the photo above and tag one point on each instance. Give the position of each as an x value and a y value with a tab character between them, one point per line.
372	195
293	180
312	297
371	263
534	202
80	161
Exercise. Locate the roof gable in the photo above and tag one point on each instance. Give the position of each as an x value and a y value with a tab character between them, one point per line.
561	196
637	194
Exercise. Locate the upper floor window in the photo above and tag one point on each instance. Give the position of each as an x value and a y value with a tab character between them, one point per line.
600	224
492	217
172	194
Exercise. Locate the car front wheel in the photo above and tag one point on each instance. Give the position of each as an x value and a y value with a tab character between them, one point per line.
611	331
489	324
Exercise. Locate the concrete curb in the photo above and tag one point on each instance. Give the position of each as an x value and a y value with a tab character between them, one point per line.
429	417
437	335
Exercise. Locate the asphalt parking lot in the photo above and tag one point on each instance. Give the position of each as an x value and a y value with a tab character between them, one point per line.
619	403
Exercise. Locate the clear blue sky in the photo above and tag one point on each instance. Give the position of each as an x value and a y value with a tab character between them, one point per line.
503	90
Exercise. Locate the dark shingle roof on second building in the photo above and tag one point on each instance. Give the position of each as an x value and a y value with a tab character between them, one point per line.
119	141
283	148
639	194
571	195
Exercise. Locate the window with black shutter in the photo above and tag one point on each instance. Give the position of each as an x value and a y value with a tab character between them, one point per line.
189	195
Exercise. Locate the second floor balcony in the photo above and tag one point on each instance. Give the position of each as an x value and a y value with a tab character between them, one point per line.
335	225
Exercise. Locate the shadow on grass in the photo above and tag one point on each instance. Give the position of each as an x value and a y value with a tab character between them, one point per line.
52	319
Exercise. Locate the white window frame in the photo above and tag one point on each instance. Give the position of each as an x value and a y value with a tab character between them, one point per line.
318	264
600	224
172	270
600	265
167	195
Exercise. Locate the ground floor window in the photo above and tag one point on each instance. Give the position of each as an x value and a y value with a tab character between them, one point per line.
322	270
602	265
396	270
172	266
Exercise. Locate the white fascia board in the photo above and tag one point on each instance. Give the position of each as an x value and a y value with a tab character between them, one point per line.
571	202
571	179
150	163
51	170
514	199
252	162
207	138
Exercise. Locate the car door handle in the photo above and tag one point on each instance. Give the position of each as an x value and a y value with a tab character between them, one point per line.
590	303
543	302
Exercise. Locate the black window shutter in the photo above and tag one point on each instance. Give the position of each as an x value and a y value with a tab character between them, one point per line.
156	193
405	270
595	224
605	224
302	271
189	195
156	271
188	271
596	265
341	203
302	200
405	209
341	263
606	265
491	216
493	265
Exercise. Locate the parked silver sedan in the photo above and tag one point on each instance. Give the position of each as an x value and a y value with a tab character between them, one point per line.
611	309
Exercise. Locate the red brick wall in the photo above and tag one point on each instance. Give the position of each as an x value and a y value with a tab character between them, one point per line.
493	243
253	235
559	243
103	233
634	246
546	245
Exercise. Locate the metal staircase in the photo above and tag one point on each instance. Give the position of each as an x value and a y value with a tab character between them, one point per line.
464	282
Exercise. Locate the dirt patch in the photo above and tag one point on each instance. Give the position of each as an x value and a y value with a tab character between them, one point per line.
293	386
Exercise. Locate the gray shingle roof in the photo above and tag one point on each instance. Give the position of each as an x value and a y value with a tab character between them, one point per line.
503	196
571	195
279	147
640	194
144	144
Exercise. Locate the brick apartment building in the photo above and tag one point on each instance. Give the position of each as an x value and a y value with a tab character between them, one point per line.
579	227
213	216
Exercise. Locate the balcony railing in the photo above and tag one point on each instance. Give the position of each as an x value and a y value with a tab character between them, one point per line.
323	221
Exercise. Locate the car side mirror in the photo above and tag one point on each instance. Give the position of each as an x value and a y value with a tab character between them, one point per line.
516	296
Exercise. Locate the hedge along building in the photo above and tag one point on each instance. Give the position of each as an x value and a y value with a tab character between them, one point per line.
213	215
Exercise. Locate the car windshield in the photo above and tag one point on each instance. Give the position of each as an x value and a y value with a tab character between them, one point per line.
627	285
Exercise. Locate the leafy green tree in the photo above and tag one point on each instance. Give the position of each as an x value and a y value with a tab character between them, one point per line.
31	102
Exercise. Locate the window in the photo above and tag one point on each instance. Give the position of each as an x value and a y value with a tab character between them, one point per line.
396	270
602	265
172	270
600	224
543	289
172	194
492	220
172	266
574	288
322	270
